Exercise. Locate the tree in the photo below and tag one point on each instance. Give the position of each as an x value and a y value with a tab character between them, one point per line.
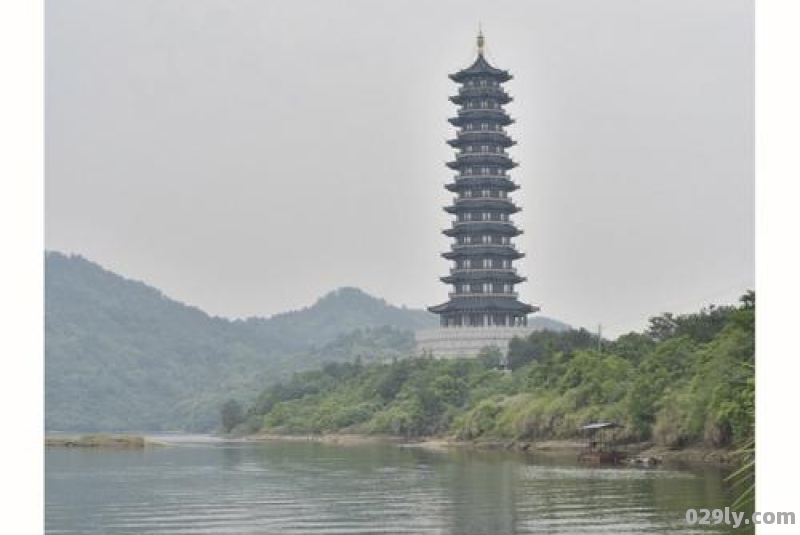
232	415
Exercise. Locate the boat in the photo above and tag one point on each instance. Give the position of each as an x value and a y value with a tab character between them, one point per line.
599	447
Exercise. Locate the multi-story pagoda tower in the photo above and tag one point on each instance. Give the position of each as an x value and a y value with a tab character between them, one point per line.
483	305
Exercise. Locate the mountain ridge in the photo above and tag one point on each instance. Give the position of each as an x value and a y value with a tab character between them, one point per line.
121	355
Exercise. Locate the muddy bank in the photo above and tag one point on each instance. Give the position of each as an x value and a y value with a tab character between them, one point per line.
642	450
99	441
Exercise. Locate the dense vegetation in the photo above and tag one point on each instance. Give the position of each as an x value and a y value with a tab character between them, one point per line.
688	379
120	356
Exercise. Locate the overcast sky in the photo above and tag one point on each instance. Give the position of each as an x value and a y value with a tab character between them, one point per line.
247	157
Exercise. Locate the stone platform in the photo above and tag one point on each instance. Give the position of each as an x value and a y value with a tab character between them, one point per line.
466	342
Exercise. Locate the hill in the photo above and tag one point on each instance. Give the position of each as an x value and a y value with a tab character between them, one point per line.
121	356
688	380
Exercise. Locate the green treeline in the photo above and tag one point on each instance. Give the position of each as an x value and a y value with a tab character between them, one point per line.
688	379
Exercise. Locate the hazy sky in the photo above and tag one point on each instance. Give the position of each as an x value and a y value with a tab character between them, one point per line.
247	157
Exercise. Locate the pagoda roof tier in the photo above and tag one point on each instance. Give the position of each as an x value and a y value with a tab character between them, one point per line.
482	181
497	137
482	250
501	228
482	158
466	115
481	68
466	93
482	275
483	304
504	205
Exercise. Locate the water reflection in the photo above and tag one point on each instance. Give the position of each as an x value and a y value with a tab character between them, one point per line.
300	487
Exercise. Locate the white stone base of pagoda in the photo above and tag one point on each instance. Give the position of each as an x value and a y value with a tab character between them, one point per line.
466	342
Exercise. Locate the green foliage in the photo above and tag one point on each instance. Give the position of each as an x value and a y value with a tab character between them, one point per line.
119	355
687	380
231	415
744	477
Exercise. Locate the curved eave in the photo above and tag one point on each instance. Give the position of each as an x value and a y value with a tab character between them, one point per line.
476	115
478	137
485	304
464	205
481	252
482	159
495	276
481	67
481	182
501	96
482	227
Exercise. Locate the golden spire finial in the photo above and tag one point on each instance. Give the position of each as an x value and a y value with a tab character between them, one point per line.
480	39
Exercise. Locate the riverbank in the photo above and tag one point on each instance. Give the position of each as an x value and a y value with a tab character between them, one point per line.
99	441
693	454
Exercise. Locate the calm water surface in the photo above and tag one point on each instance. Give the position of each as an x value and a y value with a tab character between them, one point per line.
205	486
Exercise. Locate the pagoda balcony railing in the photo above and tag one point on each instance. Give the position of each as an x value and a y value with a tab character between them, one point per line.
458	271
513	295
498	109
479	221
482	153
476	245
481	176
465	132
481	89
483	198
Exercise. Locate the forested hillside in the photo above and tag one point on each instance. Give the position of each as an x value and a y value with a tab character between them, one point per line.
688	379
119	355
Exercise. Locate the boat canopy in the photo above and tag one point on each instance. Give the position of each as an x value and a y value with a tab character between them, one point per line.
601	425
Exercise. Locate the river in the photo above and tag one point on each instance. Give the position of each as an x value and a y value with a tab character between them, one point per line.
197	485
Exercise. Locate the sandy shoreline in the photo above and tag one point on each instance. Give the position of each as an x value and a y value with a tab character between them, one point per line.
436	443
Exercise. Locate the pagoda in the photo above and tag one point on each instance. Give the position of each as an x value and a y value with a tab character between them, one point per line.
483	307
